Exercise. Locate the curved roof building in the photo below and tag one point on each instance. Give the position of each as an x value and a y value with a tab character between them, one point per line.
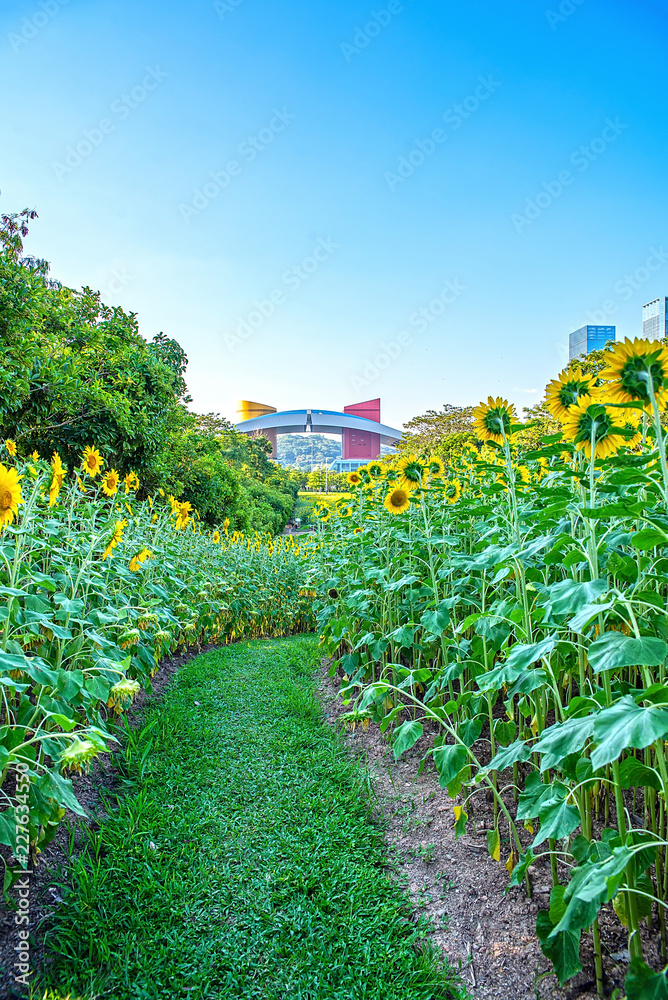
359	425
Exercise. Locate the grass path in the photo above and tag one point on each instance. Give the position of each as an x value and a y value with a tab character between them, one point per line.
243	862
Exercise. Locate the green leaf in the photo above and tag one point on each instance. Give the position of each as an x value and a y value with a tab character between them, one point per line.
633	774
435	622
522	656
563	950
449	761
558	818
535	792
505	732
522	867
8	828
642	983
614	650
470	730
54	786
623	725
405	736
562	739
508	756
648	538
567	597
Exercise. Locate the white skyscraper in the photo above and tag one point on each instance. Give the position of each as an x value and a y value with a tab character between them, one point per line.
655	319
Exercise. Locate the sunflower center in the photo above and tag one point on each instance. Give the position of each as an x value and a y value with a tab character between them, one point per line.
5	499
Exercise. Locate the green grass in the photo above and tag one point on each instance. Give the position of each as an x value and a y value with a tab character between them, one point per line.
240	861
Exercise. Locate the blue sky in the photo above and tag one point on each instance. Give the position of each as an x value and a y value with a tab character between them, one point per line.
326	202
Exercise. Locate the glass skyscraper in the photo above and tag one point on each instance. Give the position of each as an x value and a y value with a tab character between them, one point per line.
589	338
655	319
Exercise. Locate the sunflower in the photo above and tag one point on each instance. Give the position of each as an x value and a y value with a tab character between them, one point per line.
183	510
110	481
10	495
115	539
590	417
92	462
637	369
411	472
141	557
354	478
564	391
453	490
494	419
215	538
58	471
522	475
375	469
132	482
397	501
436	467
11	447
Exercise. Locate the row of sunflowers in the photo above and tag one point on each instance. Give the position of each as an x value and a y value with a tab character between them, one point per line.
97	587
510	613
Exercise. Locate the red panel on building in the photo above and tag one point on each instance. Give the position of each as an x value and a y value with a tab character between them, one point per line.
362	444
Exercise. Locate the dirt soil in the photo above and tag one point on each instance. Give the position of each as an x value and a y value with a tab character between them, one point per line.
462	892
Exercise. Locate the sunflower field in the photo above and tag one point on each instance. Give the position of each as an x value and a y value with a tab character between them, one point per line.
513	608
97	588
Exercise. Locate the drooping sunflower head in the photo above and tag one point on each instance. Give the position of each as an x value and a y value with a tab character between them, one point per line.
564	392
435	466
494	419
397	500
453	490
411	472
637	369
110	481
10	495
11	447
591	420
140	558
354	478
131	482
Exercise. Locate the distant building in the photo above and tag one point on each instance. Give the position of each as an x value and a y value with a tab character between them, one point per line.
655	319
589	338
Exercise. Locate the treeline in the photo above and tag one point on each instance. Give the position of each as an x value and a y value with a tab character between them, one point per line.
76	372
